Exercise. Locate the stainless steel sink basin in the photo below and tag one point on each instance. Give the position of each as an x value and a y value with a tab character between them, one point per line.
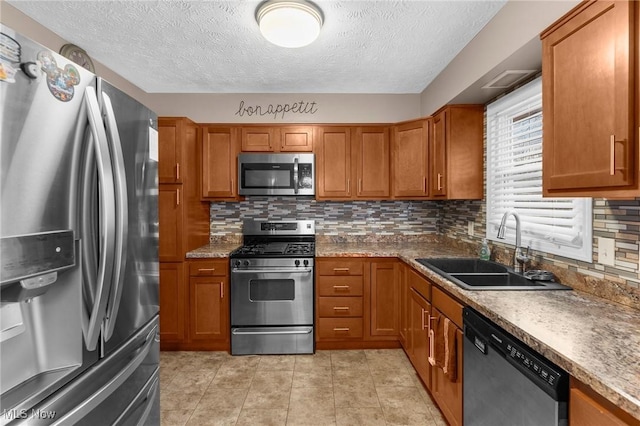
476	274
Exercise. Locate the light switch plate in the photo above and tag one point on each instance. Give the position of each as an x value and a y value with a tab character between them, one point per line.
470	228
607	251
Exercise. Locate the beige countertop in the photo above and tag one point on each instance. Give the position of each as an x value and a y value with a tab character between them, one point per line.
596	341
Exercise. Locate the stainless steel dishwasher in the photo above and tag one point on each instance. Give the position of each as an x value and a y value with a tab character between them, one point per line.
506	382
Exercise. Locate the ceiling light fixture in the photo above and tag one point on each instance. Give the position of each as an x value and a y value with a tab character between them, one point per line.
289	23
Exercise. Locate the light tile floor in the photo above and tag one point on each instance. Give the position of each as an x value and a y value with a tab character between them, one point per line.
355	387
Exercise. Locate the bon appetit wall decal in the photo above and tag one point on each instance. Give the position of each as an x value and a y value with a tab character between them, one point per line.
277	110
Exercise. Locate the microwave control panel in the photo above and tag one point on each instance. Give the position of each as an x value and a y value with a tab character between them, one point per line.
305	173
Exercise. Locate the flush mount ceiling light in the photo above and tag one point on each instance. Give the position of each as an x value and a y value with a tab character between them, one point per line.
289	23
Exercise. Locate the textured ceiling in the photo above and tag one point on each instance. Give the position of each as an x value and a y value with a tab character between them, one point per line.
182	46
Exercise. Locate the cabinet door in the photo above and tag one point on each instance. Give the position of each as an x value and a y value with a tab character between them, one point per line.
172	302
258	139
384	301
170	211
587	408
419	312
439	155
371	154
169	153
448	394
208	308
587	78
333	162
409	154
296	139
219	163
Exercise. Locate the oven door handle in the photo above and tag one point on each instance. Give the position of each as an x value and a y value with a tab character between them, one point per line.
272	271
255	331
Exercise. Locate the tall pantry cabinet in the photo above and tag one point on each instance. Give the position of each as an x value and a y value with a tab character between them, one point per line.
183	222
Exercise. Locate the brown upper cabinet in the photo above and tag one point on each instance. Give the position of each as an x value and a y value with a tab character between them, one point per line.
352	163
171	132
333	163
258	139
590	101
219	163
276	139
409	159
370	153
457	153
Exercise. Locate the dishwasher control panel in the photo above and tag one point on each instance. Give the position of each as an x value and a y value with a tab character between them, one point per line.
533	364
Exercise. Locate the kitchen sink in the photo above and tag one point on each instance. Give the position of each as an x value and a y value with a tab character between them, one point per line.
477	274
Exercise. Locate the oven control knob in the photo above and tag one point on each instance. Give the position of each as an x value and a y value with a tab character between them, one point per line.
306	262
245	263
236	263
297	262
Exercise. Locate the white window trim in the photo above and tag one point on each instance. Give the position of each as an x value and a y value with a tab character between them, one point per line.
542	244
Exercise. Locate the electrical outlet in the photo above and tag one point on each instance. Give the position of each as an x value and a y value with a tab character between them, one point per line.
470	228
607	251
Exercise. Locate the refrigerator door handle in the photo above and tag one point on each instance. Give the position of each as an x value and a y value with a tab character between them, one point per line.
92	321
122	215
114	383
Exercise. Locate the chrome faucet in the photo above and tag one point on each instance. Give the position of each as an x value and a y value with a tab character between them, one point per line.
520	257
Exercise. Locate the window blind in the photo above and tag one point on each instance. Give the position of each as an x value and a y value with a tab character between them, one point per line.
514	180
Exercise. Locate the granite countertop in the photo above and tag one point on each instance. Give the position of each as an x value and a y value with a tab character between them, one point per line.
596	341
213	250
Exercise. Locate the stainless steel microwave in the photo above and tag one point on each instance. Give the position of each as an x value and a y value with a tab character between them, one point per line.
276	174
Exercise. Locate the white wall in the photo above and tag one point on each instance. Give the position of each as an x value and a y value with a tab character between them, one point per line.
515	25
302	108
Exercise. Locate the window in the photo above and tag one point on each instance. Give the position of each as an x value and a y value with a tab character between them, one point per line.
560	226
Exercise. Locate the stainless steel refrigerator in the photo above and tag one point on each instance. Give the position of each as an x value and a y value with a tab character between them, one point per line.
79	341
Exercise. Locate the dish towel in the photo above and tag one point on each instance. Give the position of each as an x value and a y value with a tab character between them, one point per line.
442	346
450	367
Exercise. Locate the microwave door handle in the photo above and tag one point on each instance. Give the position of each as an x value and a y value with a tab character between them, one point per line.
295	175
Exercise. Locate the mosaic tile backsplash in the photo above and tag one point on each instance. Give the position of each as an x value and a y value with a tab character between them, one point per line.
347	219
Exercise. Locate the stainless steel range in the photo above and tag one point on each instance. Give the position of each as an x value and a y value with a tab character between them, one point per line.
272	288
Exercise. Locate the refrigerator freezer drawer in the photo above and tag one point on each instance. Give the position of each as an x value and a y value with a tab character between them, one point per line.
121	389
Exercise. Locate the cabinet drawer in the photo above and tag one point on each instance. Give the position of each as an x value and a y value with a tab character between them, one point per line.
421	285
340	328
340	267
208	268
340	306
340	286
447	305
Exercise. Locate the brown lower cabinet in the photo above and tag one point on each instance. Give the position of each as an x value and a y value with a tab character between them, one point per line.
587	408
357	303
418	349
172	303
194	313
423	303
447	393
